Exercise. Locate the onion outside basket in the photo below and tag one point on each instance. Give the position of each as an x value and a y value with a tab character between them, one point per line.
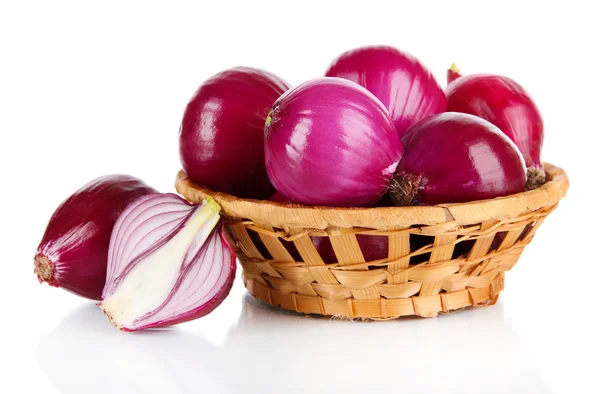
495	230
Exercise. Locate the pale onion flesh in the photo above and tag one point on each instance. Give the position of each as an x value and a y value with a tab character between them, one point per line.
169	262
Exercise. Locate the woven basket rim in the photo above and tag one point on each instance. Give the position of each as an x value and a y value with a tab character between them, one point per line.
291	215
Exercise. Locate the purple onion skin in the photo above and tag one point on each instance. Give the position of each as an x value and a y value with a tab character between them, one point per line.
206	308
330	142
455	157
503	102
74	248
405	86
221	133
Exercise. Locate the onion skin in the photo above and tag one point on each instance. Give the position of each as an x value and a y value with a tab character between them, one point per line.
73	251
330	142
506	104
404	85
221	132
455	157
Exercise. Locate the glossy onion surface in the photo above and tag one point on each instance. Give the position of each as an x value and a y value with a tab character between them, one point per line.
455	157
405	86
221	138
330	142
74	248
506	104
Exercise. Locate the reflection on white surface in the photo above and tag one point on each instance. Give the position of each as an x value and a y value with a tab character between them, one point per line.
86	355
272	351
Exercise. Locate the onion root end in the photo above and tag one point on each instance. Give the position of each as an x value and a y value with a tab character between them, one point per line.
536	177
404	189
44	268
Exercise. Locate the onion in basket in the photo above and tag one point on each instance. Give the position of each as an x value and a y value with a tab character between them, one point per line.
503	102
221	133
405	86
330	142
455	157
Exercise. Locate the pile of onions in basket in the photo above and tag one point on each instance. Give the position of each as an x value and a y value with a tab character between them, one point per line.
339	139
328	142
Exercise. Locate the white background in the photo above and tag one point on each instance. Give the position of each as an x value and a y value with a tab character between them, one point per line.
90	88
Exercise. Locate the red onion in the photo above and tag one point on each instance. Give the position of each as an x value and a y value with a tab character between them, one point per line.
169	262
405	86
221	133
454	157
73	251
330	142
503	102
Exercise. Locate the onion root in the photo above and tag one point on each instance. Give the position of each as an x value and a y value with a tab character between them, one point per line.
536	177
404	189
44	268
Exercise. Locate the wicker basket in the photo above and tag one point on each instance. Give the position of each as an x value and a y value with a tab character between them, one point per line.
440	258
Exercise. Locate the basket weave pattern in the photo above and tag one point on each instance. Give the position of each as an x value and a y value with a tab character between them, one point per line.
462	253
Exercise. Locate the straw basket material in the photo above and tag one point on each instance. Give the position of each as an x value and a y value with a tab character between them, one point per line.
439	258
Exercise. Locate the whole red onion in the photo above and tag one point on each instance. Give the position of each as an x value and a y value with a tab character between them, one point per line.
503	102
74	248
405	86
330	142
454	157
221	134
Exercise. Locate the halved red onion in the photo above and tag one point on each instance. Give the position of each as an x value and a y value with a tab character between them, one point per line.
169	262
74	248
405	86
330	142
221	143
503	102
455	157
